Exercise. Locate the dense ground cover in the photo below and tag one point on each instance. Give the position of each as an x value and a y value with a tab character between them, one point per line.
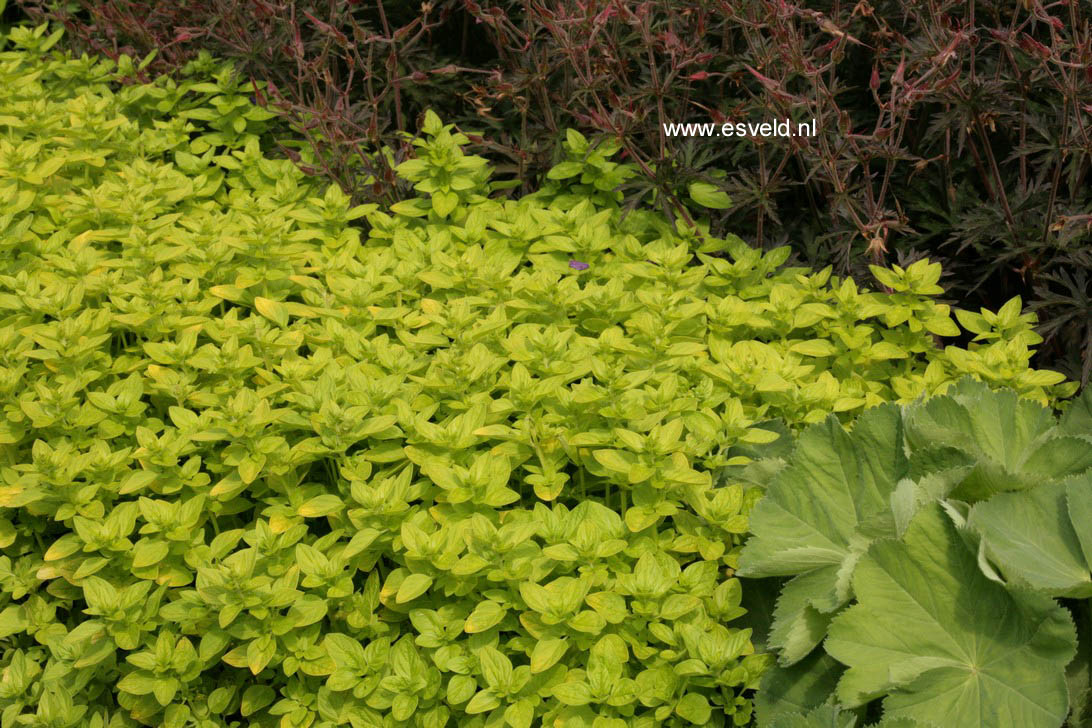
474	463
947	129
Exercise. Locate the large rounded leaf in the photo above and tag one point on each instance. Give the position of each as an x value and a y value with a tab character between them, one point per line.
797	689
1077	419
831	716
818	517
1041	537
1013	443
947	644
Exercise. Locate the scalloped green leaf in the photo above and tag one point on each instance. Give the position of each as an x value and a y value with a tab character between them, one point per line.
819	515
1039	537
946	644
1013	443
798	689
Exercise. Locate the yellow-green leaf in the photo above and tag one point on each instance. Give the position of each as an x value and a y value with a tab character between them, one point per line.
412	587
320	505
272	310
708	195
485	616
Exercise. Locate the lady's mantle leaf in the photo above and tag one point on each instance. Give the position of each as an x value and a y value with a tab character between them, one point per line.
1036	536
818	517
947	644
1077	419
797	625
1013	443
831	716
798	689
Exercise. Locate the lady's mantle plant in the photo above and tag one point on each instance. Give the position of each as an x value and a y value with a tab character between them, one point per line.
258	469
926	549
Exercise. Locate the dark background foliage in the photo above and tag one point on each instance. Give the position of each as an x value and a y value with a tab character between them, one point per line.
953	129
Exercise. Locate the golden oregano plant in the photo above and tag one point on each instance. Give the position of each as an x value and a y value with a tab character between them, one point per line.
462	466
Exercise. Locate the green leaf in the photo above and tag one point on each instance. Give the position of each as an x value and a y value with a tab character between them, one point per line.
588	621
1012	443
814	347
678	605
520	714
415	207
708	195
825	716
944	642
546	654
310	560
444	202
536	596
694	708
432	124
1077	419
484	701
255	698
99	593
412	587
576	141
887	277
147	59
798	626
941	325
496	668
573	693
797	689
565	170
344	650
175	716
1078	500
13	620
819	515
259	652
615	461
272	310
149	553
320	505
611	606
1040	537
654	573
137	683
460	689
638	518
657	685
220	698
835	493
485	616
403	707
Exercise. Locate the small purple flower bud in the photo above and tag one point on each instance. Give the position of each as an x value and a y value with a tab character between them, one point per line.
577	265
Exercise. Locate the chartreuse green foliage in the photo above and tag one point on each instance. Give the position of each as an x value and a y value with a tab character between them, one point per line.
259	470
926	549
